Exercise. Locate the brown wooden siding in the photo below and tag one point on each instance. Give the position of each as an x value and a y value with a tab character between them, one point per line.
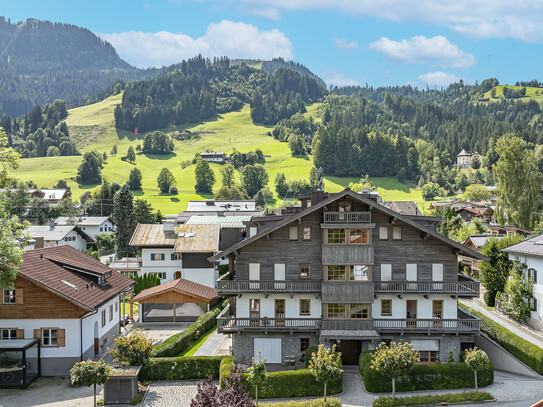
197	260
347	254
349	292
171	297
279	249
39	303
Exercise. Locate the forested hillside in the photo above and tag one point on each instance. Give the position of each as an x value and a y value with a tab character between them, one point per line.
199	88
42	61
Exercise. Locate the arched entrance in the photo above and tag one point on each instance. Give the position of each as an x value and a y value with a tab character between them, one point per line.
96	339
177	275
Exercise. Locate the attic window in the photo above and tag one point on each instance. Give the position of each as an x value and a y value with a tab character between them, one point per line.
189	234
69	284
181	234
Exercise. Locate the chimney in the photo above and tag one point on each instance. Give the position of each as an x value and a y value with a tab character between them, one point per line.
168	226
316	197
51	224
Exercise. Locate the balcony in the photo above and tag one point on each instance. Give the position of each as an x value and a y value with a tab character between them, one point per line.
463	288
467	325
229	323
347	217
238	287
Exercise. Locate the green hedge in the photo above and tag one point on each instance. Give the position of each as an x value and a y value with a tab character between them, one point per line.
522	349
430	399
308	353
190	367
177	343
288	383
424	377
330	402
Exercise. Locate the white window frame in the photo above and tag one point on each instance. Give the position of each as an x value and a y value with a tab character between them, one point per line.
386	271
12	333
396	233
383	232
10	295
293	233
49	338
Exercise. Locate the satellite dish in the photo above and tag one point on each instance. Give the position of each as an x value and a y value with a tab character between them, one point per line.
320	178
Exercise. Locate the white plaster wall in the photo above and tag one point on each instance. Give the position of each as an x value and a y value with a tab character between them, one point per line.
71	327
537	264
207	276
424	306
88	323
92	231
267	305
167	266
79	243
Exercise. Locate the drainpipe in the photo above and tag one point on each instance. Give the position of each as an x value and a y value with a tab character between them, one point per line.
81	333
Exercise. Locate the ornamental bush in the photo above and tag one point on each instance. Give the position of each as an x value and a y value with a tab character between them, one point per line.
132	350
454	375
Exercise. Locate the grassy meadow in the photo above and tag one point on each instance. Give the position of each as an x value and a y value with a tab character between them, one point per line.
93	128
532	93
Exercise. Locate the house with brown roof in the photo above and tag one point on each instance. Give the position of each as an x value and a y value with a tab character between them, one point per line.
174	252
67	300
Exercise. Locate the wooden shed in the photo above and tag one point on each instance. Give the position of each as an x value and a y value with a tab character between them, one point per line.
177	301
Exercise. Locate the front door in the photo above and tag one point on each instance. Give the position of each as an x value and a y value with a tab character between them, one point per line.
280	312
254	312
350	351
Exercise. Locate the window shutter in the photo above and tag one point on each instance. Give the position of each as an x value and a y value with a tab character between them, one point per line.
20	334
61	337
37	333
383	233
411	272
19	295
437	272
152	256
173	256
293	233
386	272
162	256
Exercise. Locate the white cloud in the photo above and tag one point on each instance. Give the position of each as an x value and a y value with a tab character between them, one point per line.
438	79
344	43
518	19
227	38
333	77
435	51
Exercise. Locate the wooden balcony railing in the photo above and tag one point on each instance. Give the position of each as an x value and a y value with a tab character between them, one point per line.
231	323
229	287
461	288
460	325
347	217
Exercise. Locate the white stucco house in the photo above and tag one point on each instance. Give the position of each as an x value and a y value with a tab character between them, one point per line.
530	252
67	300
91	225
54	235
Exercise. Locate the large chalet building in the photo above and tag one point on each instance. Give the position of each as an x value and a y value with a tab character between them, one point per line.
345	270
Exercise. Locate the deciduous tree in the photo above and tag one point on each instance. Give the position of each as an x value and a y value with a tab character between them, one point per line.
257	373
134	179
227	172
254	178
325	365
165	180
131	154
476	359
90	373
205	177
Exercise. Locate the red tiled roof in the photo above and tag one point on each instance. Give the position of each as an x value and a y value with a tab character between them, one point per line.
50	268
181	285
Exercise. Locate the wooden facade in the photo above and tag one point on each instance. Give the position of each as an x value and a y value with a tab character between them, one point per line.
35	302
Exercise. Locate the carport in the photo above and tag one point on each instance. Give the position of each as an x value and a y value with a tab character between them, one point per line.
177	301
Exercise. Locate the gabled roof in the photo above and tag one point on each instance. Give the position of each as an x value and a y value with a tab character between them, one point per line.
463	152
480	240
404	207
67	272
152	236
82	221
180	285
531	247
54	194
197	238
348	193
56	233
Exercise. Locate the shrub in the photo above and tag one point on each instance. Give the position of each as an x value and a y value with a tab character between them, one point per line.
181	368
490	298
325	365
424	377
132	350
520	348
177	343
137	399
308	353
289	383
431	399
330	402
173	190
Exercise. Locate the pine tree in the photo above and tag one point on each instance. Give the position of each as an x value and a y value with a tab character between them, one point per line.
124	219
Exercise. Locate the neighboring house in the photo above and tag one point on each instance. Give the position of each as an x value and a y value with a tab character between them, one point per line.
465	159
67	300
467	214
91	225
54	235
216	157
475	243
50	196
127	265
457	204
403	207
530	252
218	207
496	229
174	252
349	271
232	227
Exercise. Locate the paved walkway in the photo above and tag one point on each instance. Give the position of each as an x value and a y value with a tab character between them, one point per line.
520	330
215	345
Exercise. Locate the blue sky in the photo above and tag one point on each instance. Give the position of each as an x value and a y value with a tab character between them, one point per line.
379	42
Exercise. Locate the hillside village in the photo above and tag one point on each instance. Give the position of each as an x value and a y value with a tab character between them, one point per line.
238	231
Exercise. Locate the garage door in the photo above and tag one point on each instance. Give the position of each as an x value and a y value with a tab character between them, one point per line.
270	349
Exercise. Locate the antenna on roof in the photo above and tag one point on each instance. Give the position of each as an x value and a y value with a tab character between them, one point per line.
320	176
